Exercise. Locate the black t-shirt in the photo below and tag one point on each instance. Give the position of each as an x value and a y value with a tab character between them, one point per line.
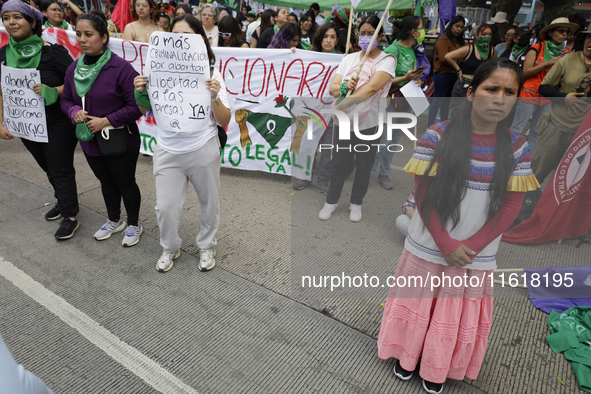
307	38
55	60
266	37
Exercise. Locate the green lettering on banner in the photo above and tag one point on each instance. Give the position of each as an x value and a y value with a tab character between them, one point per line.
223	151
260	155
237	163
285	158
248	155
280	168
149	142
296	165
273	158
308	164
270	167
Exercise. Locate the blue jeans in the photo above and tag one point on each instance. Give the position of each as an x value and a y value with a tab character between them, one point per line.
15	379
444	84
522	114
384	156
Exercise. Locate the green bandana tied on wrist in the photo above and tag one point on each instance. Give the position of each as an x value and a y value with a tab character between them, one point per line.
63	26
552	50
24	54
86	74
49	94
482	44
518	51
142	98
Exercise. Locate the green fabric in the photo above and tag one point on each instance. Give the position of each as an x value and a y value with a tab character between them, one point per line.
518	51
405	59
571	334
275	29
421	38
24	54
271	127
418	9
49	94
364	5
83	133
86	74
64	25
482	44
142	98
552	50
305	45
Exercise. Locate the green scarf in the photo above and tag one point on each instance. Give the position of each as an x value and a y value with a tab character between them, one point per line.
142	98
552	50
275	29
85	74
518	51
24	54
482	44
64	25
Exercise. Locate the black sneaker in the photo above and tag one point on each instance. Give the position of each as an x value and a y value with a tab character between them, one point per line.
401	372
432	388
67	228
53	214
322	187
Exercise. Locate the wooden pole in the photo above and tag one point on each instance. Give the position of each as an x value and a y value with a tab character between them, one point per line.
373	39
350	28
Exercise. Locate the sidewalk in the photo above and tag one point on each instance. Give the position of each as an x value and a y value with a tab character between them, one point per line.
238	328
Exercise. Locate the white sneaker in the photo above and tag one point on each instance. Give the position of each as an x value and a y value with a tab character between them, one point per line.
206	259
355	214
108	229
327	211
132	235
164	263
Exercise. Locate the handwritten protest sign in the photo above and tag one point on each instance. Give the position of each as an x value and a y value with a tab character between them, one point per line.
24	110
177	67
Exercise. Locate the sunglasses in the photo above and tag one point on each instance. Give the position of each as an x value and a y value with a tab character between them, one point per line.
207	15
227	35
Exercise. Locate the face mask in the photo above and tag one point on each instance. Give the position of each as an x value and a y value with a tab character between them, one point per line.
364	43
483	41
522	41
420	38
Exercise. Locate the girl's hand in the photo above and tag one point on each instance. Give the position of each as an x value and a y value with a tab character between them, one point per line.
413	75
81	116
459	257
420	82
214	87
140	82
293	49
37	88
574	105
5	134
352	83
460	74
95	124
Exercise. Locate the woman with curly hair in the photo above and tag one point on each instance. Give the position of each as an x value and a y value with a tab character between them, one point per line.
287	37
231	34
326	38
146	15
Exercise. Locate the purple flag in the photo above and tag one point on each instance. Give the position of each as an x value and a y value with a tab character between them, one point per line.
447	11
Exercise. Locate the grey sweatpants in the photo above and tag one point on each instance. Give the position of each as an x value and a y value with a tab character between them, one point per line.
173	172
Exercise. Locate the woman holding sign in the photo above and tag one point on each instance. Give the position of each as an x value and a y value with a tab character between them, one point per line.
56	157
98	96
189	156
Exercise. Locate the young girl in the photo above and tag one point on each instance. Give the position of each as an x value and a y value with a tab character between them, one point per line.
287	37
189	156
230	33
466	196
326	39
145	14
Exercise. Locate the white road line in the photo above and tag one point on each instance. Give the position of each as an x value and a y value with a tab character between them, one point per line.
132	359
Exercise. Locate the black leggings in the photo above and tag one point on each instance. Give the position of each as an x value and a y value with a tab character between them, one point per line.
345	160
117	177
56	158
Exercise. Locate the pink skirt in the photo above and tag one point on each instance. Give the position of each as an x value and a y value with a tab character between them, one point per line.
446	328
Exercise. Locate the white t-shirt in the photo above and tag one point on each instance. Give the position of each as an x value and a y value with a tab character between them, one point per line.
185	142
388	65
251	28
213	36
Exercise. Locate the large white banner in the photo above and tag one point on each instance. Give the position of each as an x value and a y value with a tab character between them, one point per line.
24	110
260	85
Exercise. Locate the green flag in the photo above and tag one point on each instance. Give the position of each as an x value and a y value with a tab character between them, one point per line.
271	127
418	8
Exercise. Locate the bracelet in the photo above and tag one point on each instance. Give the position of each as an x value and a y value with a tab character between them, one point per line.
215	100
459	71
